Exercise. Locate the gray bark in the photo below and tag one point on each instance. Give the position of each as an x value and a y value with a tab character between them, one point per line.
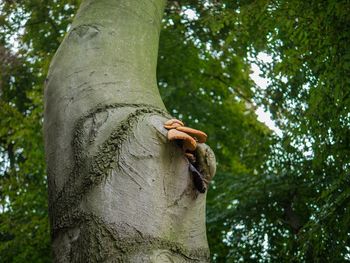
119	191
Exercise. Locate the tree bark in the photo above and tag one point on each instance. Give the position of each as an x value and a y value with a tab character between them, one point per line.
119	191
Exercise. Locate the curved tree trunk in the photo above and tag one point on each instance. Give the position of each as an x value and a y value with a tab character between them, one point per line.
119	191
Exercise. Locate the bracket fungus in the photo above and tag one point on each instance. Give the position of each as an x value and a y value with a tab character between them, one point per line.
189	143
173	124
190	138
200	136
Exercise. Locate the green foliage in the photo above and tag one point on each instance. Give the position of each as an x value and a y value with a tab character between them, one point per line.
297	208
274	199
24	229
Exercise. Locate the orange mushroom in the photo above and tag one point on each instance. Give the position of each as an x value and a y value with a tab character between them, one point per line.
189	138
172	126
199	135
172	121
189	144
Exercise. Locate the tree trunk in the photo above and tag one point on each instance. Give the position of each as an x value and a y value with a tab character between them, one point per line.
119	191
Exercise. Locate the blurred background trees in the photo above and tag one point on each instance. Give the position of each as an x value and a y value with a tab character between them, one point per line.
276	198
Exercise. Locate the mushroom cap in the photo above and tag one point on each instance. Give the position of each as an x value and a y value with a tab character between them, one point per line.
172	126
199	135
172	121
189	143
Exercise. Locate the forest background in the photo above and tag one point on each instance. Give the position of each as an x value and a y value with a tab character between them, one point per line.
276	197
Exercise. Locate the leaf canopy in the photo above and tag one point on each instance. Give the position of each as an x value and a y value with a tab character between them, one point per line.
274	198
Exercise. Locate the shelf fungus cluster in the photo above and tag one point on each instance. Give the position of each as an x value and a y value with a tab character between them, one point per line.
192	142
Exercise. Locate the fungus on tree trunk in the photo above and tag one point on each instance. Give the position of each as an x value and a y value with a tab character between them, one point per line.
119	191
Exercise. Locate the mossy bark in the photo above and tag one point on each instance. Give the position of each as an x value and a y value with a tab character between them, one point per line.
119	191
